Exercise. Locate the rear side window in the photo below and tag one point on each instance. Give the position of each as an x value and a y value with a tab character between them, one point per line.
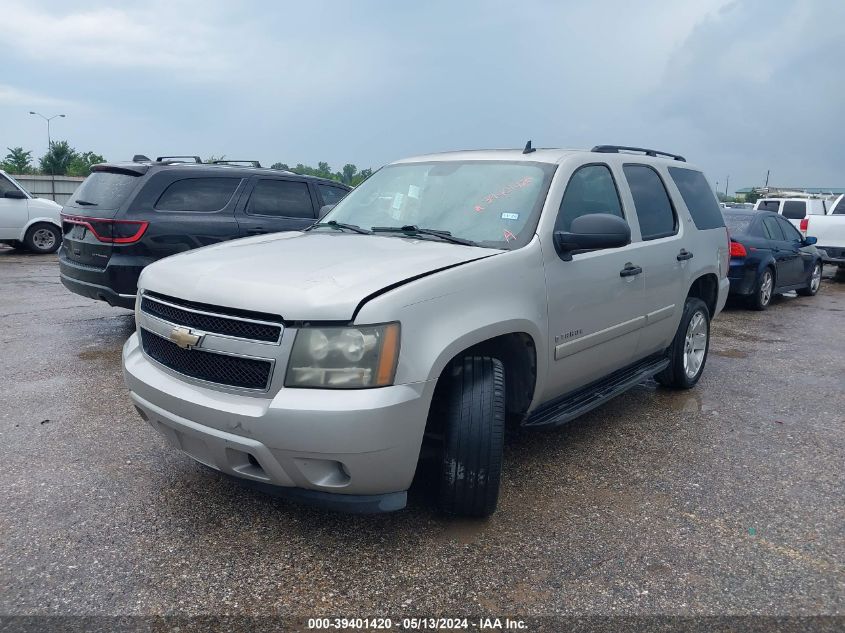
699	198
654	209
795	209
200	195
331	195
282	198
839	209
591	189
769	205
103	190
771	229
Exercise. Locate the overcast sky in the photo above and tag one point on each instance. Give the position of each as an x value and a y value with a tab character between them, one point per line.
738	87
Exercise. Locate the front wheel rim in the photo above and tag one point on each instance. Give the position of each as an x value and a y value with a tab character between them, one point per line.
766	289
816	279
43	239
695	344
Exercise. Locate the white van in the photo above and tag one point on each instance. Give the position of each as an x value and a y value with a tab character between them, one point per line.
26	221
794	209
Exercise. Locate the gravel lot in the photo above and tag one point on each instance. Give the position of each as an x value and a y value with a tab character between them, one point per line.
727	499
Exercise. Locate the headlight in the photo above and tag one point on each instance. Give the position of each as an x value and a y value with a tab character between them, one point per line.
344	357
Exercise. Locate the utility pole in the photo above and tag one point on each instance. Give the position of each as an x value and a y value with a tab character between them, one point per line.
727	181
50	146
767	179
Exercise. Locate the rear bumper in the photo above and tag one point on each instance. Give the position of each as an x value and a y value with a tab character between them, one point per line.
743	279
832	254
355	450
116	284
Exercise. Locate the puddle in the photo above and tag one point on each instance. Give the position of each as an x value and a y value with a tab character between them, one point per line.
730	353
686	403
463	531
753	338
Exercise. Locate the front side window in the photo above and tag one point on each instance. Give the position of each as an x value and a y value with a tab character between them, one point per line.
591	189
654	209
795	209
5	185
281	198
203	195
494	203
771	229
699	198
331	195
790	233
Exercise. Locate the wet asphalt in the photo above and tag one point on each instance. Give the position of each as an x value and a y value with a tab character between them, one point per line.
727	499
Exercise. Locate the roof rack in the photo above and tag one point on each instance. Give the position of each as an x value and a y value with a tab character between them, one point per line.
615	149
161	159
251	163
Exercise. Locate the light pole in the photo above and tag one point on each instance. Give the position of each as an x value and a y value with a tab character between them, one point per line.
49	146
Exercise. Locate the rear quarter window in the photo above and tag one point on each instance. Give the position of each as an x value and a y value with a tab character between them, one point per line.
795	209
199	195
103	190
769	205
699	198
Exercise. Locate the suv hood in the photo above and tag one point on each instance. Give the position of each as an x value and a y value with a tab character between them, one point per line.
301	276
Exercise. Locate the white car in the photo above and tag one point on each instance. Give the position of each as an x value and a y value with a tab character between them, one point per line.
829	231
26	221
794	209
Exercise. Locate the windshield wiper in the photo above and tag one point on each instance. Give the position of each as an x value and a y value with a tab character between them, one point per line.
340	225
413	229
85	203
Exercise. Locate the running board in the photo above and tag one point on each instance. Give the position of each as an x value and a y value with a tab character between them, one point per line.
580	401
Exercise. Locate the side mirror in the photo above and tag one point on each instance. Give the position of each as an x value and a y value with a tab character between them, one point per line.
592	232
16	194
324	210
809	240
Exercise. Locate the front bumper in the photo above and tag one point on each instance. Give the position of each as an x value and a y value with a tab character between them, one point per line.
832	254
355	450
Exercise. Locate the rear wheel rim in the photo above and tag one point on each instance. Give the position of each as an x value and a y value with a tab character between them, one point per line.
44	239
695	344
766	288
816	278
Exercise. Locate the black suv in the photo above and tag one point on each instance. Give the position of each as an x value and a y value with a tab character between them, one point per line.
127	215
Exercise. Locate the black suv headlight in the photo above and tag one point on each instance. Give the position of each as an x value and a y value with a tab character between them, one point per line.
344	357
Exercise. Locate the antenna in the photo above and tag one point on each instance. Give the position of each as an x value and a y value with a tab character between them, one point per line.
140	158
528	149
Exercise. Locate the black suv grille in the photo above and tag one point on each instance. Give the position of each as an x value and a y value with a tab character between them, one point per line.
234	371
209	323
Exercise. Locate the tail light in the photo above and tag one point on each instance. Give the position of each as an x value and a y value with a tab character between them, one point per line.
738	250
110	231
803	225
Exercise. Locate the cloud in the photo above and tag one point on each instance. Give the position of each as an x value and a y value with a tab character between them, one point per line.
11	96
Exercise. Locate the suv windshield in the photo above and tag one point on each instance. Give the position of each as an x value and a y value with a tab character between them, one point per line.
493	203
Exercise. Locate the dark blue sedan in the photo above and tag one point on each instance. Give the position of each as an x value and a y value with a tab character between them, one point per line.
769	256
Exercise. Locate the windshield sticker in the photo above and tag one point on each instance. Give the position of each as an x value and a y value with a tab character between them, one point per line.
509	236
414	191
505	192
510	216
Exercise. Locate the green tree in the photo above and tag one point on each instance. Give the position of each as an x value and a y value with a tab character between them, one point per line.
58	158
82	163
347	174
17	161
281	166
361	176
752	196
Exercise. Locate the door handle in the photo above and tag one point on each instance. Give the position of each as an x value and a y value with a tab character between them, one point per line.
684	255
630	270
258	230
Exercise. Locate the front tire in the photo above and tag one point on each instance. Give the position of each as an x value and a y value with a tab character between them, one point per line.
814	283
43	238
688	352
763	291
471	466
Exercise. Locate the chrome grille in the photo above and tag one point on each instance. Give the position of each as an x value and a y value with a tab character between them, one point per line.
224	369
225	325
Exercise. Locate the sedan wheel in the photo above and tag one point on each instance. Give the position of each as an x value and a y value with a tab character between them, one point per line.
815	282
763	295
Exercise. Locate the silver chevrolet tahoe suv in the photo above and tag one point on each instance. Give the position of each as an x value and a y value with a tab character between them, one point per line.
445	298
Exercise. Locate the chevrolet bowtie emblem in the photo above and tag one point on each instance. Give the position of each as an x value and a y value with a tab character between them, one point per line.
184	338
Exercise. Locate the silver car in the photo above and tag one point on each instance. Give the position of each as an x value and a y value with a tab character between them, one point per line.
445	298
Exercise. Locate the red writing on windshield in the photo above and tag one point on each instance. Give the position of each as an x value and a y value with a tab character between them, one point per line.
504	193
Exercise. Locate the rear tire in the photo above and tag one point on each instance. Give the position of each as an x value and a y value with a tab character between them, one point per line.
814	282
763	291
43	238
471	467
688	352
